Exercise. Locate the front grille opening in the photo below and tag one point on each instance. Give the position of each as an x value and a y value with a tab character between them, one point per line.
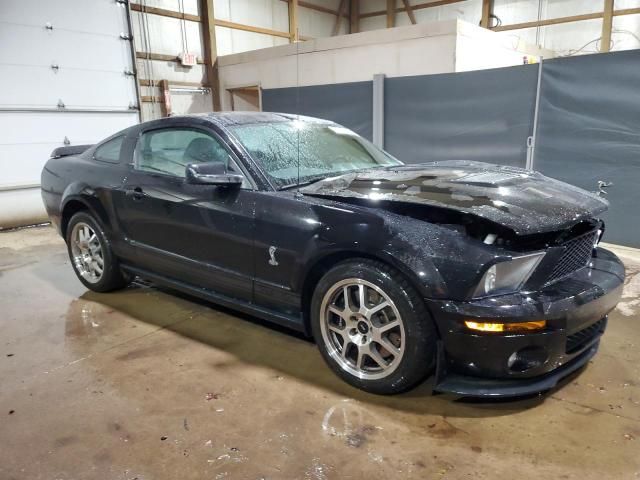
579	340
577	253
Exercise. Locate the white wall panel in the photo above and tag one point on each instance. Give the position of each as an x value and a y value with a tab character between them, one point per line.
518	11
626	32
84	42
169	36
161	70
32	86
183	103
187	6
469	11
236	41
91	16
312	23
272	14
65	48
29	138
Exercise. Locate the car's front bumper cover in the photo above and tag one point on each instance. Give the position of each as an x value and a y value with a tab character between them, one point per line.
575	308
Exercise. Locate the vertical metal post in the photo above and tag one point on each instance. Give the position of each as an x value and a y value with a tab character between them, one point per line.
378	110
531	141
134	65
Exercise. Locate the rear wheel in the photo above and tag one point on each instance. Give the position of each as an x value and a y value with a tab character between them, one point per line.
91	255
372	327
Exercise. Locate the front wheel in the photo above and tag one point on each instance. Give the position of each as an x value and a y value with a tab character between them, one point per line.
91	256
372	327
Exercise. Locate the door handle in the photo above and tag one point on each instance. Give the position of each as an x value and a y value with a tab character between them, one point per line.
136	193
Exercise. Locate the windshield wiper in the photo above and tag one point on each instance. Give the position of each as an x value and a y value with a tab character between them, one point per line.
302	184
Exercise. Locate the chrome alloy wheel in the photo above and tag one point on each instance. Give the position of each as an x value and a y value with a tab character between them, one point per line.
87	252
362	329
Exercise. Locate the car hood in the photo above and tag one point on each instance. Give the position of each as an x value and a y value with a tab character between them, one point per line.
523	201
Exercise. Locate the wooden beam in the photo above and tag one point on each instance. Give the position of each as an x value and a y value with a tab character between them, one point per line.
407	7
211	51
626	11
336	26
550	21
487	7
574	18
154	83
163	57
249	28
419	6
354	16
136	7
607	24
391	13
165	95
253	88
317	8
293	21
150	99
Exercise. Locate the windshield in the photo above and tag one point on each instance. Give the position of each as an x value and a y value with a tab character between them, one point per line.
324	149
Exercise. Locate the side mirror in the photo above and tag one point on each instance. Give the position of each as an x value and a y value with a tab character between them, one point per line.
211	173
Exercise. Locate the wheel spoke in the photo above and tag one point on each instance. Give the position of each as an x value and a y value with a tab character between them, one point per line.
361	298
376	357
335	310
339	331
388	326
372	311
360	358
347	303
387	345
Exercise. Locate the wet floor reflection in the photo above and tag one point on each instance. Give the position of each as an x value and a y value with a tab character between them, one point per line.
150	384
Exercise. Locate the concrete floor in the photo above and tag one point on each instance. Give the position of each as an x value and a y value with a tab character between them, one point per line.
141	384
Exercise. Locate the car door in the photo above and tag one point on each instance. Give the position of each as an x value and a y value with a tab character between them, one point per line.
201	235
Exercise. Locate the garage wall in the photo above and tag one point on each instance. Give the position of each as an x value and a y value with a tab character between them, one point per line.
590	131
349	104
573	38
167	36
588	122
62	80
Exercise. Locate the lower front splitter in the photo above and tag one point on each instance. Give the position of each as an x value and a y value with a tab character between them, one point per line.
469	386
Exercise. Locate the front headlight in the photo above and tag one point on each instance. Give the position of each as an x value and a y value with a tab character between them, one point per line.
509	276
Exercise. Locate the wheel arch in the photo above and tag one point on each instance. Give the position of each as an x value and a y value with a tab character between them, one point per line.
74	204
323	264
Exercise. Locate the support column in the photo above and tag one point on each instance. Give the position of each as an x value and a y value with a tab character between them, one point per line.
378	110
210	51
607	24
354	17
391	13
293	21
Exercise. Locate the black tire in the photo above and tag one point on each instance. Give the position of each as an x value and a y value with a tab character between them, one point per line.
416	363
112	277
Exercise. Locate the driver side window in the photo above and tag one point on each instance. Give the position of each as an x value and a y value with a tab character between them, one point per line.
168	151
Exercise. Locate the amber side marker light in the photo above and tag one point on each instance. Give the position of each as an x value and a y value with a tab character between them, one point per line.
506	327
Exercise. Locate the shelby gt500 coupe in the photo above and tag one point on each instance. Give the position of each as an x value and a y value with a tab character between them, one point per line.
488	278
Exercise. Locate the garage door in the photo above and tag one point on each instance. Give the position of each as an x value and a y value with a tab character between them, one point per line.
65	78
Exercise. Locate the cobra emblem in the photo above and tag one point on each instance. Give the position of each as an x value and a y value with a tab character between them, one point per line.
272	256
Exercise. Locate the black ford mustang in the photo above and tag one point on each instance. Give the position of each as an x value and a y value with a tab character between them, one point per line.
488	277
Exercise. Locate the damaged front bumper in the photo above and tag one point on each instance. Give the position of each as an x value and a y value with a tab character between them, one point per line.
501	365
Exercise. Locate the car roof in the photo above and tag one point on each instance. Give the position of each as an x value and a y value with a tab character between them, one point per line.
230	119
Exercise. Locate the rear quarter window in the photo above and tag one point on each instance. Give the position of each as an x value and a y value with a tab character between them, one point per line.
110	151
